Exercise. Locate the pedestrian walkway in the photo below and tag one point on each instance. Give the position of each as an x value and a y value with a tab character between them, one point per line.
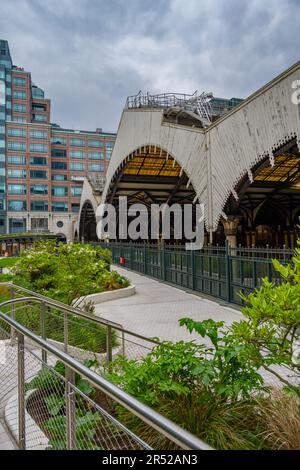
156	308
5	441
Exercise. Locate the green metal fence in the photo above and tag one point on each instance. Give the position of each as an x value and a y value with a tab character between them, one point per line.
219	271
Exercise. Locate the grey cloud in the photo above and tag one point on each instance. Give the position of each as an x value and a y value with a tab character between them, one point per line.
89	55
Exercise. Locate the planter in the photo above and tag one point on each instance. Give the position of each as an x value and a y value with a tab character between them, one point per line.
100	297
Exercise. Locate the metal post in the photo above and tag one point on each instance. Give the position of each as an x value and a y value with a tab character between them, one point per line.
66	332
227	266
43	329
12	314
21	392
70	408
109	344
192	270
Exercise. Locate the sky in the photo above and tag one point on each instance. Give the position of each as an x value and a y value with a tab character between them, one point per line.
89	55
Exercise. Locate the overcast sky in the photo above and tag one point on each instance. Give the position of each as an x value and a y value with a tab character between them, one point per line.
89	55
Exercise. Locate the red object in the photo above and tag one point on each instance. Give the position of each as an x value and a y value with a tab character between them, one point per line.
122	261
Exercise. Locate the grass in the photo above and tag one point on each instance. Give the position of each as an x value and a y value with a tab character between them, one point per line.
8	262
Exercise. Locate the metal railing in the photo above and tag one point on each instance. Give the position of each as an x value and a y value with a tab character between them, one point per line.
219	271
53	401
83	335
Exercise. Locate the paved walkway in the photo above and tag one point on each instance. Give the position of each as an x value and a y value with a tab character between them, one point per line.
156	308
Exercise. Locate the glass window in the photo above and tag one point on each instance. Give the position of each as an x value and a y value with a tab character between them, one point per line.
40	117
38	174
38	161
16	173
59	177
37	92
16	145
58	140
59	191
75	207
77	142
19	119
20	95
76	166
58	165
17	205
2	204
59	206
16	132
59	153
19	108
18	81
39	189
95	143
35	134
17	225
17	189
77	154
2	187
38	148
76	190
96	167
96	155
16	159
39	206
38	223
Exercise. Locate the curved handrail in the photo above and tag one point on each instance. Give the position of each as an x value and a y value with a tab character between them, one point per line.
80	313
169	429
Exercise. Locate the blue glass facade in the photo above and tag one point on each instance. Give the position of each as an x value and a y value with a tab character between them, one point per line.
5	113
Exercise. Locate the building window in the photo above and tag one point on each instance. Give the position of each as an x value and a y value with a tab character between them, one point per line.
76	191
38	174
16	159
17	225
2	187
59	153
95	143
77	142
20	95
39	117
34	134
37	92
16	132
58	140
39	189
60	191
2	204
38	148
19	119
39	206
75	207
19	108
59	177
76	166
17	206
77	154
12	173
96	167
96	155
58	165
18	81
60	206
38	161
17	189
16	146
39	223
109	149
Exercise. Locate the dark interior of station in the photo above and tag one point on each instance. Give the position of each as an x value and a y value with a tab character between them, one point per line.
267	210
